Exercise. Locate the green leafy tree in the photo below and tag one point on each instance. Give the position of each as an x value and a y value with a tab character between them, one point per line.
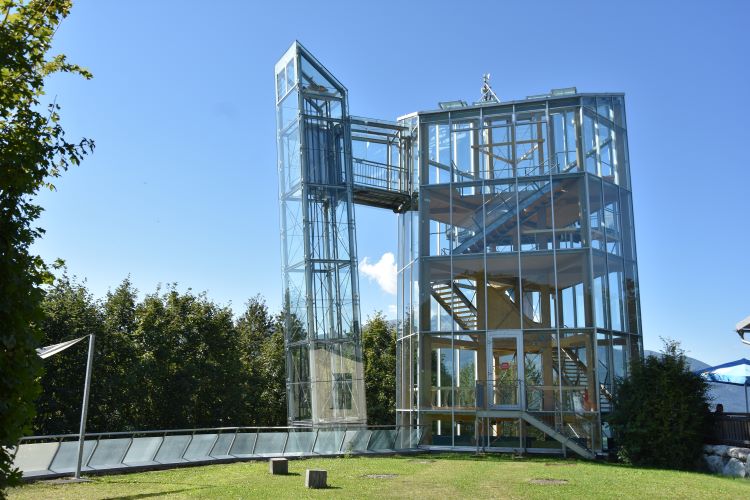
189	362
261	351
116	387
33	150
661	412
379	356
69	312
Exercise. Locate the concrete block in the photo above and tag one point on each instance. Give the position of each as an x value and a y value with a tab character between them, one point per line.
278	466
316	479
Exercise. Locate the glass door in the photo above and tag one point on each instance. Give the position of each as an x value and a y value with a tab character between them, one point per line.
505	371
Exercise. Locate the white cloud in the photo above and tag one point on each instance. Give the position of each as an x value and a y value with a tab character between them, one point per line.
383	272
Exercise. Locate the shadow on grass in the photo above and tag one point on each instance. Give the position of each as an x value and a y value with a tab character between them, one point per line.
150	495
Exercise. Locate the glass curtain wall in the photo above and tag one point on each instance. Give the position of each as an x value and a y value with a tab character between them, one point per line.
321	310
524	230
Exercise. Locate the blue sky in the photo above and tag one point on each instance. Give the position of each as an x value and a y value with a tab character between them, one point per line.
182	186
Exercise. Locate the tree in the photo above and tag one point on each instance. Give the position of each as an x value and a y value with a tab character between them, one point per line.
661	412
191	371
69	312
379	356
261	342
34	150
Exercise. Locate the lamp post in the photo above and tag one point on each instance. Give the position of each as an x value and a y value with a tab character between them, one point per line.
85	407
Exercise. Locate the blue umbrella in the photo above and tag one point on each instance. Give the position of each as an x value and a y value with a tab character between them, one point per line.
732	373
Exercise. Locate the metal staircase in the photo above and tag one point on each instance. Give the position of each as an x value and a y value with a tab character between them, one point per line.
456	303
558	436
502	215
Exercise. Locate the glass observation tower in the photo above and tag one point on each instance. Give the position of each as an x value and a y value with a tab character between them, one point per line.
518	302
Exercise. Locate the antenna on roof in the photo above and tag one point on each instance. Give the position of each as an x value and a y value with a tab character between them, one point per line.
488	95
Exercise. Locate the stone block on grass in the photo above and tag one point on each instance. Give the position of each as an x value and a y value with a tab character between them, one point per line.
278	466
316	479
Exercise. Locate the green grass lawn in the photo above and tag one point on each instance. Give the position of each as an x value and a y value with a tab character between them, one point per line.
417	476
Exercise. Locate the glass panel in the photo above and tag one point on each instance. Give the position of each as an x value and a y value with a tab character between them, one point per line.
329	442
616	286
441	370
382	439
437	232
438	158
441	298
270	443
67	456
501	215
604	371
172	449
607	151
620	355
109	453
574	290
504	369
243	444
280	84
504	433
503	292
541	370
631	297
578	373
464	431
439	430
589	142
31	458
311	80
497	148
356	440
530	138
569	201
600	290
611	199
627	231
221	447
291	77
142	450
535	209
539	292
468	293
582	428
563	141
538	439
200	447
299	442
465	138
596	214
467	220
470	356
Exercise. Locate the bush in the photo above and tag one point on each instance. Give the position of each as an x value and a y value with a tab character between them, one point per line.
661	412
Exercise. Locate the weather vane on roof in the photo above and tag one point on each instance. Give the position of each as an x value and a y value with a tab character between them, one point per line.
488	95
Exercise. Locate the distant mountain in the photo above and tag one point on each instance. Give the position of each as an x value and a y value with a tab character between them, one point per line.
731	396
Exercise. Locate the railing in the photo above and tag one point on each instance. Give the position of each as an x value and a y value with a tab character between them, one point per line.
44	456
379	175
731	429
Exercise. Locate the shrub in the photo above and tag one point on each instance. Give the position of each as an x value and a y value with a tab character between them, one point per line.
661	412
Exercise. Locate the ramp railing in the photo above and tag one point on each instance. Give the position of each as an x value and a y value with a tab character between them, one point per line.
56	455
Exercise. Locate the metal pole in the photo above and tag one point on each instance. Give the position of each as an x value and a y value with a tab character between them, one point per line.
746	408
85	408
